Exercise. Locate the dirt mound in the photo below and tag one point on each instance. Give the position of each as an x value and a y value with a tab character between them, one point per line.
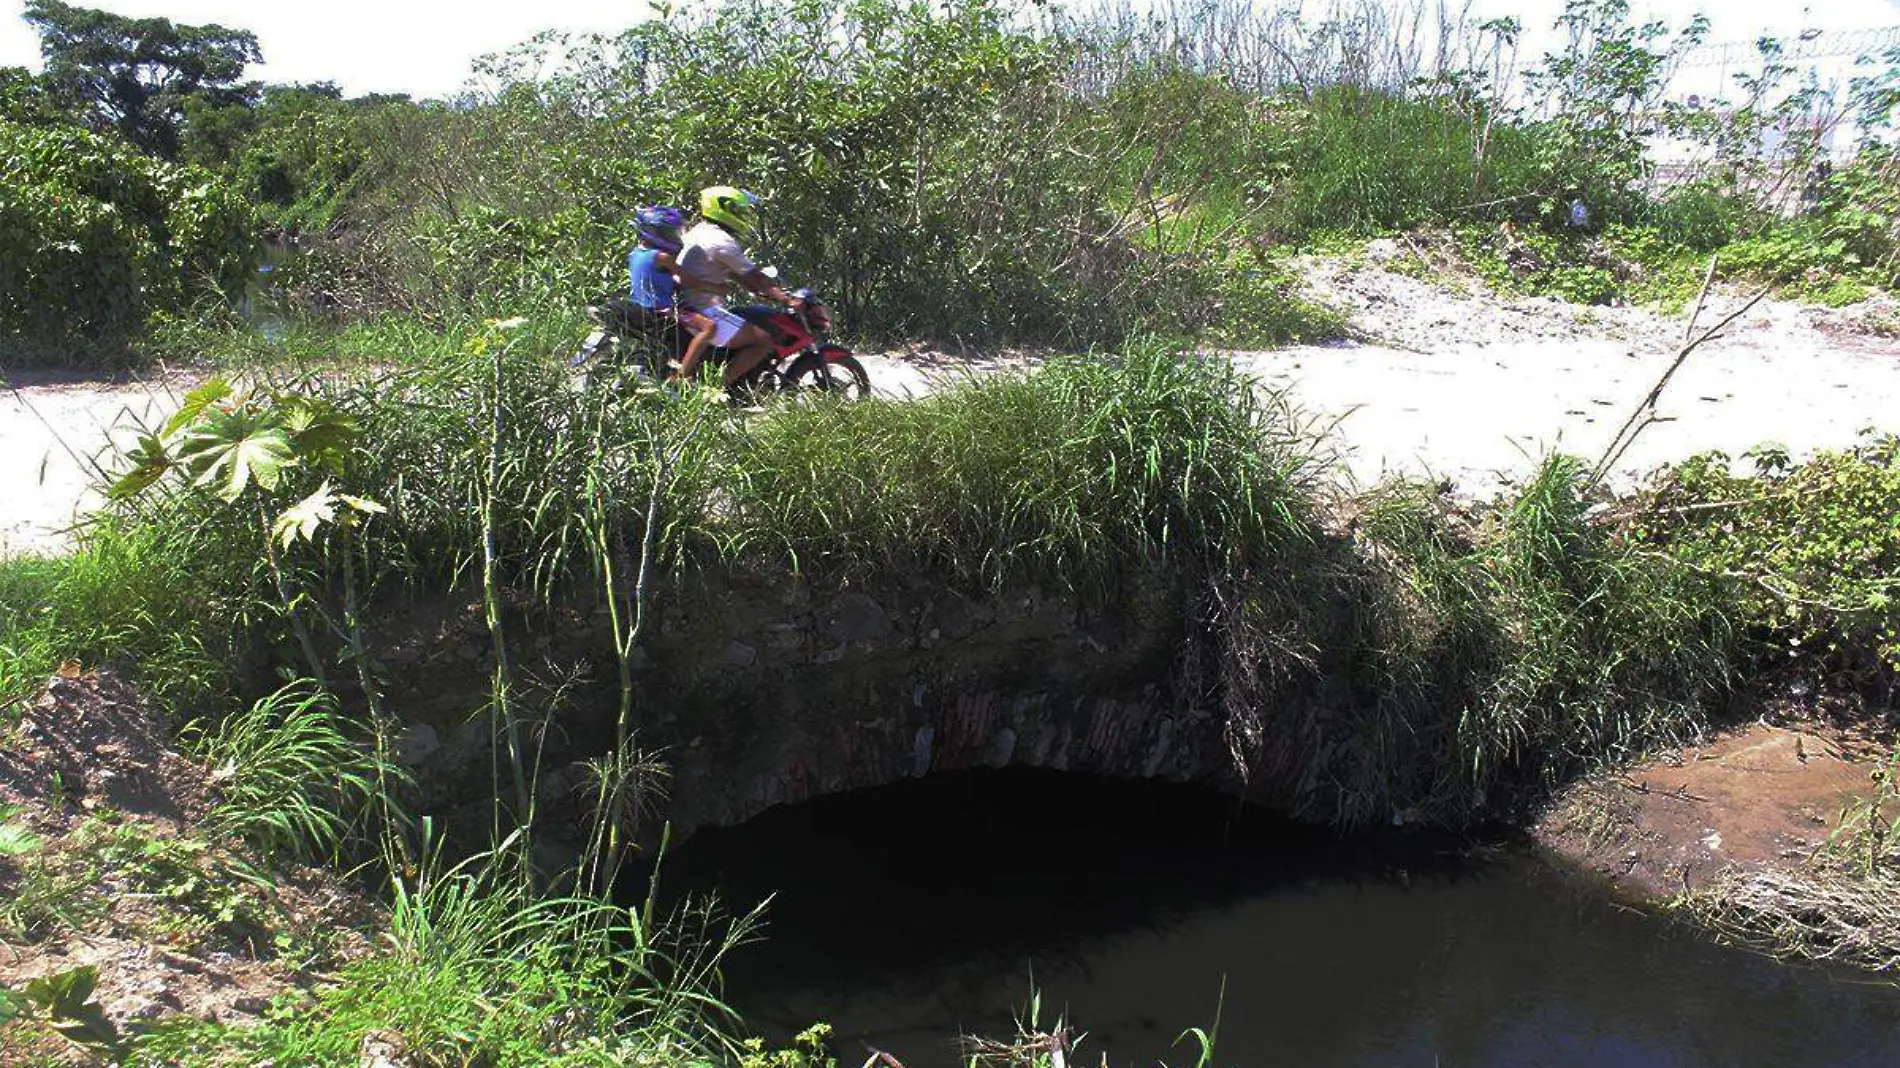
88	741
116	874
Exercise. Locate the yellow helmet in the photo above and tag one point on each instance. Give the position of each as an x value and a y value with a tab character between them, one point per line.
729	206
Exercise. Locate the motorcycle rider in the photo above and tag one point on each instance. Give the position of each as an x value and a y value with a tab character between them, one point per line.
710	260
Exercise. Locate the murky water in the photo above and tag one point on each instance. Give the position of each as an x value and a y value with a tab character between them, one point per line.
908	915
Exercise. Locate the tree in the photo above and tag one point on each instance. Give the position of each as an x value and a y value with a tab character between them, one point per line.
136	75
23	98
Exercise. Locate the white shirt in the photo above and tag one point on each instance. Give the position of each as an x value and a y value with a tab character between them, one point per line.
710	260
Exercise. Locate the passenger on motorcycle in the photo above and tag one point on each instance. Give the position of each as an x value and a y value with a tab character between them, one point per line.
652	289
710	260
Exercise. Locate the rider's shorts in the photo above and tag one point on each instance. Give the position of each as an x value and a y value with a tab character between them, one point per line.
725	325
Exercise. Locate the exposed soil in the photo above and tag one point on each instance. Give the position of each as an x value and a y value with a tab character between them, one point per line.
121	879
1760	798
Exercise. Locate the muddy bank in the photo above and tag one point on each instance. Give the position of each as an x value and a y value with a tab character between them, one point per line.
1763	798
110	867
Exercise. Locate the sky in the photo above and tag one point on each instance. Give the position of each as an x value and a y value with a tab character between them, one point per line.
425	47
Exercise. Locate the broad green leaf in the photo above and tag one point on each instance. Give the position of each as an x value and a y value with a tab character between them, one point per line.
13	1006
65	992
150	460
230	450
211	392
302	520
321	435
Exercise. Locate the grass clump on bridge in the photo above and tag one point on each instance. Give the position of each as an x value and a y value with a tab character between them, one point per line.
1082	471
1509	648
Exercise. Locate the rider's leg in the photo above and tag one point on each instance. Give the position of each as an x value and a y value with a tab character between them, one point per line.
749	349
702	330
724	326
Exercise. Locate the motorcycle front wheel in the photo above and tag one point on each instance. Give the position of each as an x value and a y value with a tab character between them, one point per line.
834	373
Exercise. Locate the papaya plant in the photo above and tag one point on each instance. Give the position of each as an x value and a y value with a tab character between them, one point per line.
244	448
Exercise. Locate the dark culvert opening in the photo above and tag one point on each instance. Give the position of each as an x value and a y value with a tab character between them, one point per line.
909	914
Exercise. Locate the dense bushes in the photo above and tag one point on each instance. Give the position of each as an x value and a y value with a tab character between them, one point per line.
987	170
94	236
1813	548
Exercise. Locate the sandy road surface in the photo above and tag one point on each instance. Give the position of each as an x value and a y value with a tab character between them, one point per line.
1481	417
1462	386
53	431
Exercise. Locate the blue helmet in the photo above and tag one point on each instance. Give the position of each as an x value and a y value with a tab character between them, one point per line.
659	227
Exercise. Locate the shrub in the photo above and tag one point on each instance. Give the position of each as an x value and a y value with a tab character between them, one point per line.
1503	652
1813	548
93	236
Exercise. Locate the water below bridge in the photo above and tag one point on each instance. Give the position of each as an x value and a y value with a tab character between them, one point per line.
907	915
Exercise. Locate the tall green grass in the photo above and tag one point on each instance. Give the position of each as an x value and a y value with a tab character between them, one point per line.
292	773
1088	469
1507	652
130	595
481	966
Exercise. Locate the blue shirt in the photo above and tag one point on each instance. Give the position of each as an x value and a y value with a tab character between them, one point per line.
649	284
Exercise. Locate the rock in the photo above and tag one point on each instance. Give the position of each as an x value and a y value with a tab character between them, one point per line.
1001	748
384	1049
738	654
920	751
417	743
857	618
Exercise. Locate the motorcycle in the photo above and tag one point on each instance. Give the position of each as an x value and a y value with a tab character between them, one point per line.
799	361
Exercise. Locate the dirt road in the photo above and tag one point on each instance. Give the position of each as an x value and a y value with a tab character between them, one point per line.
55	433
1449	383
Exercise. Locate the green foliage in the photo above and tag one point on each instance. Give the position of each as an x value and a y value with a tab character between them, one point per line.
226	441
63	1002
1071	474
136	598
1813	548
15	840
1371	161
93	236
1509	650
926	169
1599	92
308	153
1540	263
1078	472
137	76
808	1050
291	776
483	967
24	98
197	891
1484	662
191	891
